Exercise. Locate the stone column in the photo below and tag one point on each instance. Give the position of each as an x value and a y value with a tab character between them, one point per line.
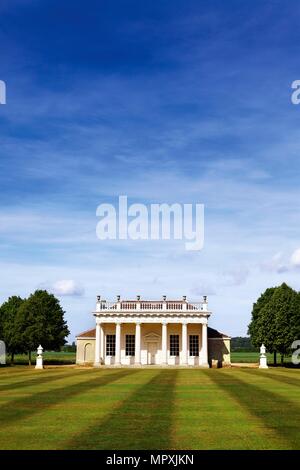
102	345
164	343
118	344
184	360
204	346
137	359
97	362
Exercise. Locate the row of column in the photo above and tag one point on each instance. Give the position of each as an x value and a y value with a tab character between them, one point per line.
100	353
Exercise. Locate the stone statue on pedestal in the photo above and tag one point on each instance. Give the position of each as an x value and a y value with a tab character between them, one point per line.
263	358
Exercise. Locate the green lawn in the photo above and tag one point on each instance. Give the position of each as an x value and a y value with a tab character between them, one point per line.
67	408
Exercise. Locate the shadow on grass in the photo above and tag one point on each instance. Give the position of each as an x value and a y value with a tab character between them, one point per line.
142	421
286	365
270	375
277	413
40	379
36	402
16	372
59	362
290	365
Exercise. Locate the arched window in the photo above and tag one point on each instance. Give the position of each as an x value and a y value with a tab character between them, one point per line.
88	353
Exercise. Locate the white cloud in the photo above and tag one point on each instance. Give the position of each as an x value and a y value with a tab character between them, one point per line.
275	264
280	262
295	259
65	287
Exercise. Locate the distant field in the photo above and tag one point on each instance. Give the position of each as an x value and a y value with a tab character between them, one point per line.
69	408
50	357
254	357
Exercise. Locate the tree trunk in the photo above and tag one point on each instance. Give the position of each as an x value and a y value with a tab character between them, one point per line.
29	358
275	358
282	360
12	358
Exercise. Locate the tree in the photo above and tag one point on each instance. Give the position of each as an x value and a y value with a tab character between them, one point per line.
41	321
258	328
285	302
295	321
242	344
10	333
276	320
69	347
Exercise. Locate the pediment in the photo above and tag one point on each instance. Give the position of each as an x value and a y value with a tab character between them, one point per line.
151	337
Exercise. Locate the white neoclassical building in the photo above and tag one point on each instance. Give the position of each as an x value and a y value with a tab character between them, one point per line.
143	332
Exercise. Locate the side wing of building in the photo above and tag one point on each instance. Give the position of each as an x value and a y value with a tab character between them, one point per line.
218	348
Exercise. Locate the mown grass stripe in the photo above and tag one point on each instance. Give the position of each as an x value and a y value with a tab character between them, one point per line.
278	416
24	407
272	375
81	412
40	379
143	420
14	372
208	418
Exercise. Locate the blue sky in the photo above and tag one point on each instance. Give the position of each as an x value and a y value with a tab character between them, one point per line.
165	101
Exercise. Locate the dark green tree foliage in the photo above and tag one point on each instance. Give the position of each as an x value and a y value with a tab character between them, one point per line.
69	347
41	321
258	328
242	344
285	302
276	320
295	320
9	331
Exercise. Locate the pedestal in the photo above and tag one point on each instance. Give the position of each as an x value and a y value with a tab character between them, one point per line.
39	363
263	362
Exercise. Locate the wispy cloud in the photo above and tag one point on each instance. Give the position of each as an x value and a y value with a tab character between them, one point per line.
235	277
277	264
65	287
295	258
281	262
